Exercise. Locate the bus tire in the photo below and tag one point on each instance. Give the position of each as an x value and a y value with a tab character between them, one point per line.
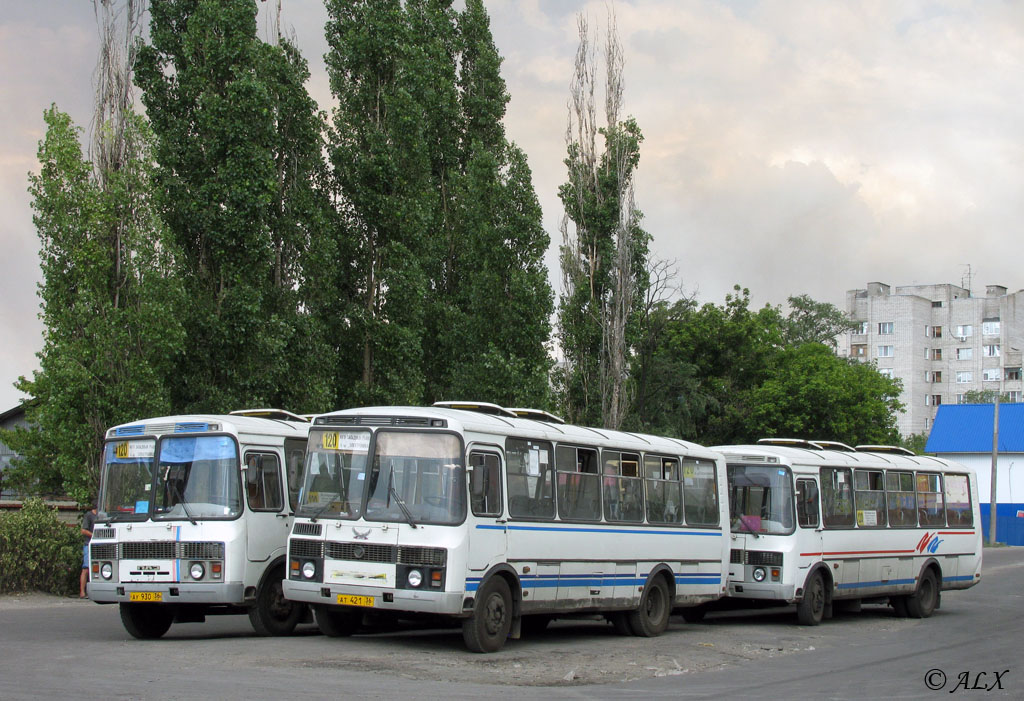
336	623
921	604
487	628
811	608
272	614
651	618
146	621
694	614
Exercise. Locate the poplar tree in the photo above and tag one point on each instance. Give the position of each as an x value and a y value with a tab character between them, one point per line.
238	149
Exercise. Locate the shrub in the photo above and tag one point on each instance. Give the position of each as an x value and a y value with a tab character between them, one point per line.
38	552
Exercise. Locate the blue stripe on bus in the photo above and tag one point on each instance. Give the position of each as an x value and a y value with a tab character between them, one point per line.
959	578
891	582
595	530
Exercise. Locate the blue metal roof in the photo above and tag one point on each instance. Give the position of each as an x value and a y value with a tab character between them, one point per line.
967	428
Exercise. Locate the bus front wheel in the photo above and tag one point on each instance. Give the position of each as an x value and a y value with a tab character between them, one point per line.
488	627
273	614
336	623
146	621
651	619
811	608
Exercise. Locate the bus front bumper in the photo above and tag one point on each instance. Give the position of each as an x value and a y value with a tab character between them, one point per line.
768	591
384	599
168	592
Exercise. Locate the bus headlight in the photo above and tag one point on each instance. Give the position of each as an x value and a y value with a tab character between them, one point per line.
196	570
415	578
309	570
759	574
106	570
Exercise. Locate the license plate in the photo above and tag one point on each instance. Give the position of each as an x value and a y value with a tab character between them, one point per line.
351	600
147	596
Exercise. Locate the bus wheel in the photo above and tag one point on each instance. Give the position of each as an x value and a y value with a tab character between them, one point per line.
922	602
488	627
336	623
811	608
146	621
273	614
651	619
620	622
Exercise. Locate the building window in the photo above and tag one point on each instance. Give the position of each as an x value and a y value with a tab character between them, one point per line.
991	351
961	399
861	328
859	351
965	331
990	328
886	372
885	351
933	376
933	399
964	353
933	331
886	328
1013	396
1013	373
964	376
936	354
936	304
991	375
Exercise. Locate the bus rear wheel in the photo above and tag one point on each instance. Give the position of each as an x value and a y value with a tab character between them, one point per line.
651	619
273	614
146	621
811	608
488	627
922	603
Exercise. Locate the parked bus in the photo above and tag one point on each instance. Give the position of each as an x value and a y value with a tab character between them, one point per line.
503	519
827	526
193	520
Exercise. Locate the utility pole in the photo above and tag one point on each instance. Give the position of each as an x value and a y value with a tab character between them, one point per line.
995	459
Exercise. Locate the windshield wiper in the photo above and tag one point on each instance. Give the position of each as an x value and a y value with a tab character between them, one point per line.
747	528
398	500
326	505
181	499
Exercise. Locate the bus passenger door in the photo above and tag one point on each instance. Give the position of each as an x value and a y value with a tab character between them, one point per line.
487	525
268	521
808	548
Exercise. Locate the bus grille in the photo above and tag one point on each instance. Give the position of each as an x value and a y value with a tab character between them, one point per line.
104	533
308	529
299	547
736	557
764	558
104	551
170	550
374	421
363	552
433	557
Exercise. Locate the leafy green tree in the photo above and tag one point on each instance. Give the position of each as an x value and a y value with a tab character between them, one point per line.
810	321
238	148
812	393
110	306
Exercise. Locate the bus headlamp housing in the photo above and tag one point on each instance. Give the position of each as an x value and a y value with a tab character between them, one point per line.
308	570
415	578
196	570
106	570
759	574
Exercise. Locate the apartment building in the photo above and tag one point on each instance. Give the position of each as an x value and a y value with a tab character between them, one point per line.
941	341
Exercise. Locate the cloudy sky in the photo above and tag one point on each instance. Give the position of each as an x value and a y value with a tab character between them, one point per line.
790	147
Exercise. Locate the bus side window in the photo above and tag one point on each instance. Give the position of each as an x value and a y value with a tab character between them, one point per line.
485	484
807	503
295	456
263	482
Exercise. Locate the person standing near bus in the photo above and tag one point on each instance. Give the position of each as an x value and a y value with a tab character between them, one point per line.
88	522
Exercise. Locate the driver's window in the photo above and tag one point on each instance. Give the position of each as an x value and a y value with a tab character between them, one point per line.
263	482
807	503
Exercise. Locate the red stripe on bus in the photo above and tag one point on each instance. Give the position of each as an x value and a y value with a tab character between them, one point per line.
859	552
956	532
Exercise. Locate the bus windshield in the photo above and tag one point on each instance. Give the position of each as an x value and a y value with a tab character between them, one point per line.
197	477
760	499
417	478
335	474
127	480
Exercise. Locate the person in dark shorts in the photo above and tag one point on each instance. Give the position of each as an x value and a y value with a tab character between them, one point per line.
88	522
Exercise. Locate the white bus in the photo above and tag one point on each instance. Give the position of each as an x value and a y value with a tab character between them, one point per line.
193	520
504	519
827	526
